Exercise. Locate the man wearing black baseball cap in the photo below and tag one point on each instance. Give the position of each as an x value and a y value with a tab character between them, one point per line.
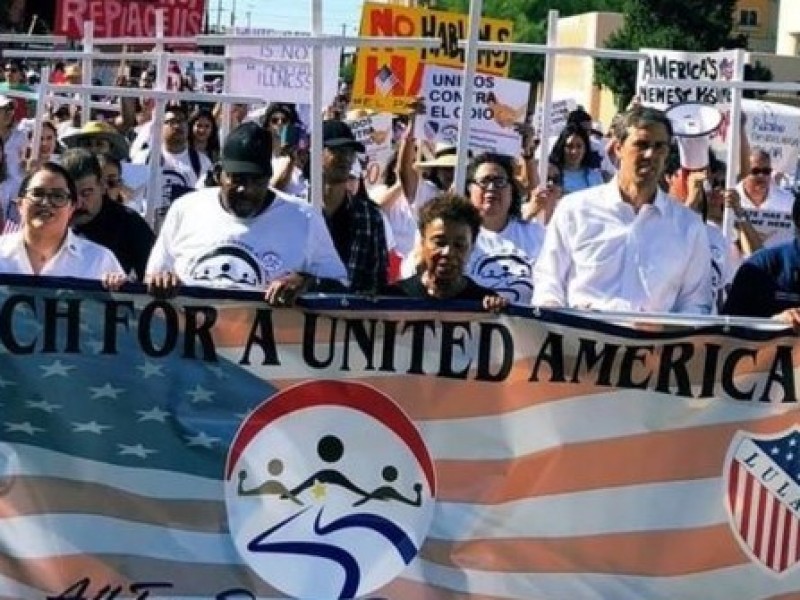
243	234
354	221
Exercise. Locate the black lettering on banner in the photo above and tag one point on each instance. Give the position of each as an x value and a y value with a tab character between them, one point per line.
418	343
112	319
170	320
356	328
450	340
199	330
729	370
310	339
486	342
781	373
631	356
674	359
552	353
389	340
261	333
710	370
587	350
7	337
53	313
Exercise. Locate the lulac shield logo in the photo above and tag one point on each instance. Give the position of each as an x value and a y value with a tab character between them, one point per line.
763	496
329	490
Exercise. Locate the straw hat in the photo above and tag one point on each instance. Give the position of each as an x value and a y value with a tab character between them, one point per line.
119	145
444	155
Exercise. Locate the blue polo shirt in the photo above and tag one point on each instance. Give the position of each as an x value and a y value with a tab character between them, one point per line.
767	283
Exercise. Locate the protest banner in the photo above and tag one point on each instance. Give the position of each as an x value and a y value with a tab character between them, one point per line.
288	79
375	132
391	78
686	68
136	18
498	104
216	448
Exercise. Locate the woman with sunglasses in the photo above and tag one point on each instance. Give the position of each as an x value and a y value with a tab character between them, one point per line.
45	245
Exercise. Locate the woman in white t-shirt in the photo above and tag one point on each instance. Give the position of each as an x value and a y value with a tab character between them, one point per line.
9	217
507	246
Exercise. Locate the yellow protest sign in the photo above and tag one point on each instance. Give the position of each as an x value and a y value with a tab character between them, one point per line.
388	79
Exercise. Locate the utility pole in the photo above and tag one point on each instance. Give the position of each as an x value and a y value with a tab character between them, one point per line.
233	15
219	16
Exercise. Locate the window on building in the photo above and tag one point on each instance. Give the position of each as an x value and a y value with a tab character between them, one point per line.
748	18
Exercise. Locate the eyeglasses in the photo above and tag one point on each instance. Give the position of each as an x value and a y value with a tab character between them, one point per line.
175	122
112	182
718	184
498	183
57	198
278	120
756	171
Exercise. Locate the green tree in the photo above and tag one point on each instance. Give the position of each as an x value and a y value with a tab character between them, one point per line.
530	24
690	25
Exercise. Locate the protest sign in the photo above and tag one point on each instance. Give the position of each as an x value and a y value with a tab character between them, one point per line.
773	227
375	132
774	128
130	18
388	79
498	104
686	68
559	112
288	79
211	447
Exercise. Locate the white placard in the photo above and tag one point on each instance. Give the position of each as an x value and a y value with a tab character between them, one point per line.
559	112
375	132
686	68
498	104
289	78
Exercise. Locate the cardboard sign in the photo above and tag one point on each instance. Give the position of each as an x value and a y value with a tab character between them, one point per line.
116	18
686	67
375	132
388	79
289	78
498	104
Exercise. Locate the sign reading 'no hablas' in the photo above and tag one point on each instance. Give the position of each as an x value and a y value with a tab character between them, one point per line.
388	79
137	18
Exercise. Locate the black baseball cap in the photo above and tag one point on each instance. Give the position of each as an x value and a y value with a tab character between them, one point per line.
248	149
337	134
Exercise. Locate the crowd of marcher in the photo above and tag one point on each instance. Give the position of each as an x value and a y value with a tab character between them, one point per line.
619	223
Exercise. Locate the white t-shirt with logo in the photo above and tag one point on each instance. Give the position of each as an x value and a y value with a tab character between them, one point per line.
207	246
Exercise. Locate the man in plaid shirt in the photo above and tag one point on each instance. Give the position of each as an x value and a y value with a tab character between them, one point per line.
354	220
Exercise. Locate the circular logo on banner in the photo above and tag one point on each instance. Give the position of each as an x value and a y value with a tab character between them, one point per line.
329	490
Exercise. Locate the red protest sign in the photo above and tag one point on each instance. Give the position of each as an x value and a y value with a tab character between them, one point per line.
136	18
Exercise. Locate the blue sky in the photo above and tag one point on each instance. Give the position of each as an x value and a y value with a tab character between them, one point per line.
294	15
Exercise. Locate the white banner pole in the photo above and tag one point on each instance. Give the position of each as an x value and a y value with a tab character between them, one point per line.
547	95
41	112
733	142
316	107
155	190
86	69
467	85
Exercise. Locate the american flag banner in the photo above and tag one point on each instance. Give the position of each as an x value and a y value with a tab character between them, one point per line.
209	446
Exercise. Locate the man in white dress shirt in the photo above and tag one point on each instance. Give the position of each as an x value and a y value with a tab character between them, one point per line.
626	245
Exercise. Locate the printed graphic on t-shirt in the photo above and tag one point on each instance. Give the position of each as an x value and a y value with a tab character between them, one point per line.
509	273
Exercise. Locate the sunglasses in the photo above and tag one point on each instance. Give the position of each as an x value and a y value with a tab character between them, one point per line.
112	183
756	171
278	120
